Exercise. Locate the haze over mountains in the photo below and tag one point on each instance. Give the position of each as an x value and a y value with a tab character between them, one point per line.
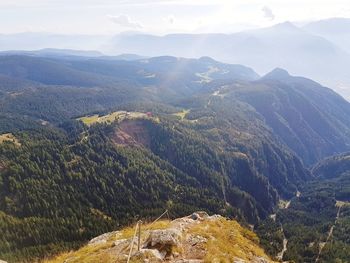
333	29
318	50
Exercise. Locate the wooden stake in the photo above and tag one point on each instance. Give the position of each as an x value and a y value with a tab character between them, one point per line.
132	243
139	240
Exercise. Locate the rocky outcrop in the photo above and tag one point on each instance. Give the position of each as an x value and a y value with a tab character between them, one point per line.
197	238
102	239
161	238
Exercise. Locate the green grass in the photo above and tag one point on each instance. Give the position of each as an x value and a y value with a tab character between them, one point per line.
112	117
89	119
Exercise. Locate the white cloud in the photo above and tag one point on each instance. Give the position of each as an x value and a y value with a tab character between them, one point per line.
161	16
125	21
268	13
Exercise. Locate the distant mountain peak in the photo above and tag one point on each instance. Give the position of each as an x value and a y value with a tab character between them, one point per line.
277	73
287	27
286	24
206	59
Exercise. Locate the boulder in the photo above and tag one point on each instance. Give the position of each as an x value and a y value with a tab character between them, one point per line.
163	241
161	238
195	216
200	215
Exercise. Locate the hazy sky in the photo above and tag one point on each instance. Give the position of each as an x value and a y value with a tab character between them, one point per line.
159	17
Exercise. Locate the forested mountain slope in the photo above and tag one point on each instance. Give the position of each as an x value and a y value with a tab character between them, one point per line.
312	120
55	90
112	141
97	176
332	167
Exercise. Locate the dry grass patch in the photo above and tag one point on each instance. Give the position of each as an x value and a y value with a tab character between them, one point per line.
104	252
128	232
9	137
87	254
342	203
227	240
181	114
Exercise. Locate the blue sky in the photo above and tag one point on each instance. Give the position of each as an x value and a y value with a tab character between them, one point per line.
159	16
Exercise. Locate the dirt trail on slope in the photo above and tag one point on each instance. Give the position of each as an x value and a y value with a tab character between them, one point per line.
285	240
330	233
284	249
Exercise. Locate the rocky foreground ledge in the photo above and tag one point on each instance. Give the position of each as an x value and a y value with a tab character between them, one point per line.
193	239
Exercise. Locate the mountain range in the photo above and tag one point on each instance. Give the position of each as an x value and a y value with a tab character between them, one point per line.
318	50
